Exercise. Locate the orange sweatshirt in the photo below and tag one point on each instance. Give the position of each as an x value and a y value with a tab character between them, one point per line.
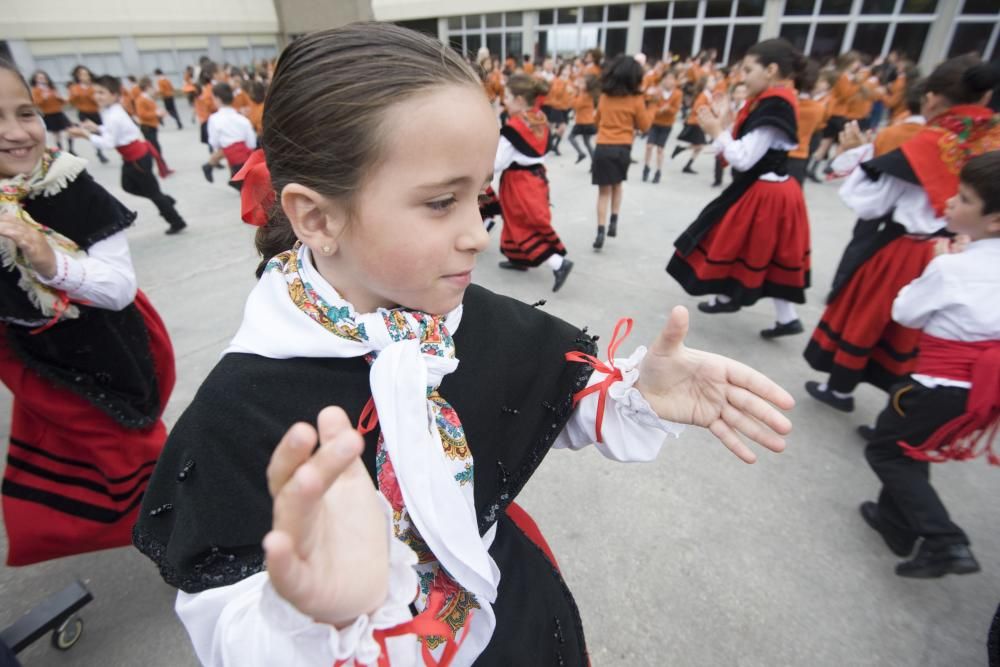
146	110
82	97
810	120
583	107
665	111
47	100
617	118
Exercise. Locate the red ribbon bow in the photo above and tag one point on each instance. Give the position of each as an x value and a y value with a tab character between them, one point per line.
257	196
613	373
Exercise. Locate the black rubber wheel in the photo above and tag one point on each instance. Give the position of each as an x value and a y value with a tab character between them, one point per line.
67	634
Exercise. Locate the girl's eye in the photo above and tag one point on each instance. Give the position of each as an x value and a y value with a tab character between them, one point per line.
442	204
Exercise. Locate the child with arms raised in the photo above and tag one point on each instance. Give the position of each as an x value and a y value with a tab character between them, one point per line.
399	539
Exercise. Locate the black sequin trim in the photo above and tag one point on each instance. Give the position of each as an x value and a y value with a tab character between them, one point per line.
215	568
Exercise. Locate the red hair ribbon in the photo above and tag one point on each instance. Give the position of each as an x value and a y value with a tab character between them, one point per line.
257	196
425	624
613	373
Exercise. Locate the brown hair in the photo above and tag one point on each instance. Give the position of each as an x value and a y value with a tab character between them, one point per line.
327	102
982	174
962	80
10	67
526	86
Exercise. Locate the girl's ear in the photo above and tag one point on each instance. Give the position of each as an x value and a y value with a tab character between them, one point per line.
773	71
317	220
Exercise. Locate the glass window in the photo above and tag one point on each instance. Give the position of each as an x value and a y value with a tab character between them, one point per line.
473	21
750	7
593	14
828	39
796	33
685	9
869	38
835	7
799	7
494	42
970	37
617	13
744	36
718	8
714	37
494	20
456	43
512	43
454	23
514	19
878	6
541	44
681	41
472	44
615	45
545	17
657	10
981	7
653	41
918	7
909	39
567	15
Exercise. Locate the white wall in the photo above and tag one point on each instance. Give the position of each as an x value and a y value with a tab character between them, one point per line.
399	10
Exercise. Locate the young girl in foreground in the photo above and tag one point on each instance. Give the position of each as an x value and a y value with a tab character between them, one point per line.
365	303
85	355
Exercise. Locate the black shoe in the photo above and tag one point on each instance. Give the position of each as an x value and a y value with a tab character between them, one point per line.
645	173
561	274
656	176
716	184
613	228
902	547
779	330
580	158
599	241
843	404
490	224
556	151
677	151
220	166
512	266
811	175
102	157
688	170
207	170
828	170
933	562
176	228
866	432
718	307
170	199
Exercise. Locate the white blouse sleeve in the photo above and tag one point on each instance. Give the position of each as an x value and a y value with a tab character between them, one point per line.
104	278
908	202
745	152
631	430
506	154
918	301
247	624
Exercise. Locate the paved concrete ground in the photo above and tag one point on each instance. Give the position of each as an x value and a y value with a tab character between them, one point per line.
695	559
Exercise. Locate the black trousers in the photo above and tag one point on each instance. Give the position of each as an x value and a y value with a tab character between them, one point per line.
908	505
150	133
138	179
171	107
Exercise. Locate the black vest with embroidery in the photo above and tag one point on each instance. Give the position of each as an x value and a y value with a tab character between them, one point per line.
207	507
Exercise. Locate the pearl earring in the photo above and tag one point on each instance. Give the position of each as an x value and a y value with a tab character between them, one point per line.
326	250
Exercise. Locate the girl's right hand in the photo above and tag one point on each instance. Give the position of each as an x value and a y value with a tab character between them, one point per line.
328	550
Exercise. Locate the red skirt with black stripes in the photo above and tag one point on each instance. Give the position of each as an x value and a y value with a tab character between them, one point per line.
856	340
75	477
760	248
528	237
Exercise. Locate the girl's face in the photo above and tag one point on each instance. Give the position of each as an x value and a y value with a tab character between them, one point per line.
84	76
416	228
515	103
822	87
22	133
757	77
964	213
668	82
40	80
739	93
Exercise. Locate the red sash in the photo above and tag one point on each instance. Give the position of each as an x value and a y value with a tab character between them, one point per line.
237	154
972	433
139	149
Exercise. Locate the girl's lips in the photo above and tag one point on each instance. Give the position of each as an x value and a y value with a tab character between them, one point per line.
464	278
23	151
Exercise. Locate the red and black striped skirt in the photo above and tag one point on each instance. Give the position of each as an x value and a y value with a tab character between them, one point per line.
528	237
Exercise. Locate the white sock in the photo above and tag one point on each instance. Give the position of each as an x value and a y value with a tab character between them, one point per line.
719	298
554	262
784	311
839	394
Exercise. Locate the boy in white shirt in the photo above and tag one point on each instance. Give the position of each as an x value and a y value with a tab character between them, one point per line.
230	135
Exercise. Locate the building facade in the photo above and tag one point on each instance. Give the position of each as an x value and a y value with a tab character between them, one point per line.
928	31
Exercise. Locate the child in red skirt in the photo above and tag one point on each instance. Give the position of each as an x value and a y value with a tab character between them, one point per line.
86	356
528	238
753	240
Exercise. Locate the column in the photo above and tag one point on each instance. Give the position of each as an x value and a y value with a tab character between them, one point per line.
936	45
636	16
772	19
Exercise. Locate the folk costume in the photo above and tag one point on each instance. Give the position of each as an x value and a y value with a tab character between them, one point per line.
120	133
752	241
947	410
899	198
528	238
233	134
451	446
89	363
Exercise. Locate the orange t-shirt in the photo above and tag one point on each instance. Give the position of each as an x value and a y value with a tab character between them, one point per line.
890	138
811	113
841	95
665	111
82	97
558	96
165	87
47	100
256	116
583	107
617	118
146	110
703	100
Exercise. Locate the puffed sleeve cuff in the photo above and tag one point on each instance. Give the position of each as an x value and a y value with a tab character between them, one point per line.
357	640
722	141
849	160
71	274
630	402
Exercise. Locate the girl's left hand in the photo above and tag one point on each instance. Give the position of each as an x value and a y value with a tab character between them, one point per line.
32	243
708	390
709	122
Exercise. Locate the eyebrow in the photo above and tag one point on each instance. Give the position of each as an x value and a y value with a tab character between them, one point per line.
458	180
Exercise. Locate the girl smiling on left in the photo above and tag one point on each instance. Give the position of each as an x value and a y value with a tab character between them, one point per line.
87	358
